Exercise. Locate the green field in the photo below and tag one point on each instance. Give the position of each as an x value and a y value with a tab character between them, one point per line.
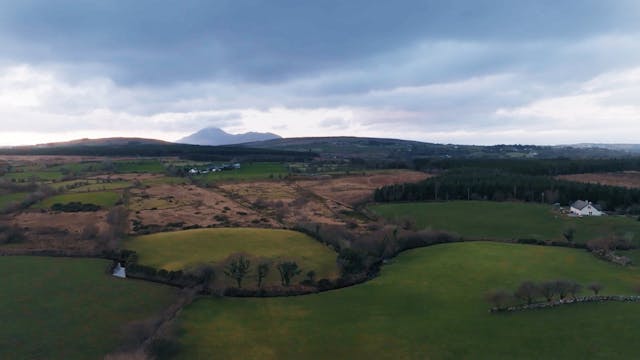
185	249
116	185
104	199
427	304
8	199
35	175
61	308
253	171
140	166
508	220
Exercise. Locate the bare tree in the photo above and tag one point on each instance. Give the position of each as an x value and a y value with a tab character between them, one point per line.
262	271
527	291
574	289
207	275
569	234
596	287
563	288
548	290
288	269
498	298
237	268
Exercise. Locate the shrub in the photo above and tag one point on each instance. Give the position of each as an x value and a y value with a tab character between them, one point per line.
11	234
596	287
350	262
90	231
527	291
75	207
498	298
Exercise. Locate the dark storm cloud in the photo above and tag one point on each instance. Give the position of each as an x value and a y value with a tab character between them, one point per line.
268	41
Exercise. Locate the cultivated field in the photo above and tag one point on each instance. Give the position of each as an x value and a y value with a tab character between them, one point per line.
427	304
186	249
508	220
628	179
57	308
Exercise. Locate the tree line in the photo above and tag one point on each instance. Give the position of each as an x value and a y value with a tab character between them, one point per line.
549	167
500	185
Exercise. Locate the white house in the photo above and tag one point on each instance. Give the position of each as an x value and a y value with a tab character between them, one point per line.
585	208
119	271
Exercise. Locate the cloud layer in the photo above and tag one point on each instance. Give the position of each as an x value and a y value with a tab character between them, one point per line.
444	71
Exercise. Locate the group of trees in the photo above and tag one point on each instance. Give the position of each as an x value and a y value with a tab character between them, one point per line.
530	292
238	267
500	185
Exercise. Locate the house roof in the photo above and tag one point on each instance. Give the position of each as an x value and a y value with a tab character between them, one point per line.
580	204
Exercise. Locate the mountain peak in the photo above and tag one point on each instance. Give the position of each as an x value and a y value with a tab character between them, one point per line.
217	136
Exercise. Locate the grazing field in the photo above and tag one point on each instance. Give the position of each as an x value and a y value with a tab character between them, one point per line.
105	199
427	304
8	199
62	308
34	175
185	249
508	220
248	171
141	166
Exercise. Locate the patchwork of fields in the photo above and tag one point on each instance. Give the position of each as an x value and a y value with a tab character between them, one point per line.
426	304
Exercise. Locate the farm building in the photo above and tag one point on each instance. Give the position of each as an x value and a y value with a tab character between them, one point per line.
585	208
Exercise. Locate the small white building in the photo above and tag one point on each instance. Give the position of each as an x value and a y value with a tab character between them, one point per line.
119	271
585	208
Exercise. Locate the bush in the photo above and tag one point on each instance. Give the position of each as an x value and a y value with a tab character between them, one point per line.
75	207
11	234
498	298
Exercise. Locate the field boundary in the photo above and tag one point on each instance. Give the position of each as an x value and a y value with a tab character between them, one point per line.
577	300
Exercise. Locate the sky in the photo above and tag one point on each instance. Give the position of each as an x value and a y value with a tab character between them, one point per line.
451	71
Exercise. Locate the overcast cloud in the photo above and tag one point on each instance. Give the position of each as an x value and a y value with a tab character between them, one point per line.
472	71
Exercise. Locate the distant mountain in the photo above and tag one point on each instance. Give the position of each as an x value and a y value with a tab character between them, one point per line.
215	136
116	141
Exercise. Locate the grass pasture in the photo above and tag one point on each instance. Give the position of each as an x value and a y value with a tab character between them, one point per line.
508	220
185	249
8	199
62	308
36	175
150	166
427	304
104	199
248	171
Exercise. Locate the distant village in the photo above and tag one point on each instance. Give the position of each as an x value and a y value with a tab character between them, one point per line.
214	168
